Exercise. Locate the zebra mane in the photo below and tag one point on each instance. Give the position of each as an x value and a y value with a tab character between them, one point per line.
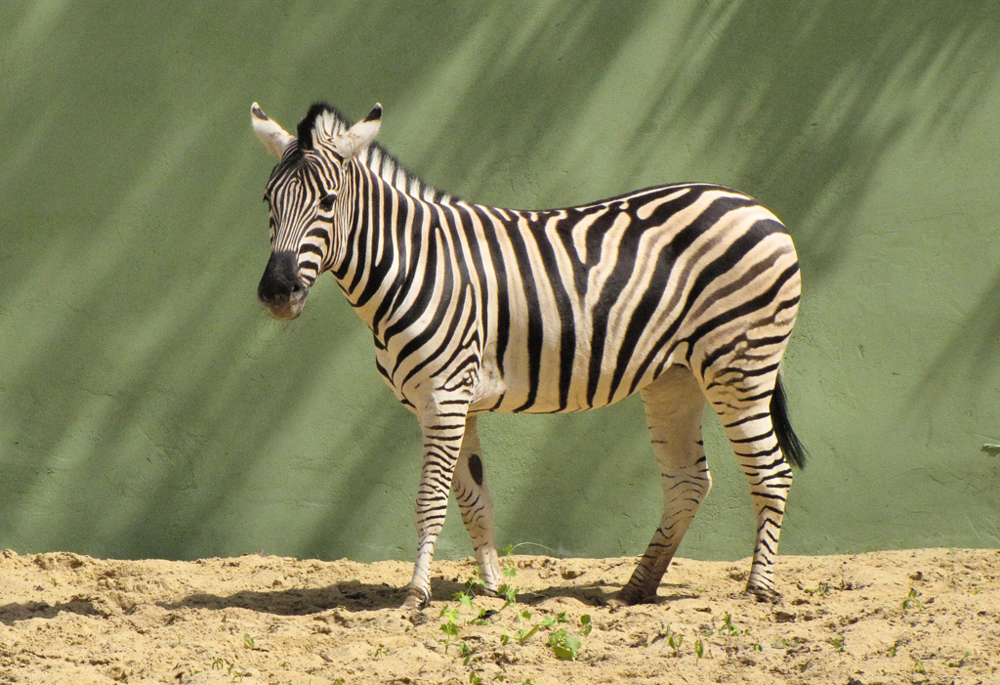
375	157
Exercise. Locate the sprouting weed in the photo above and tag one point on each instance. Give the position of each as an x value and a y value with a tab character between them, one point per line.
729	629
821	590
450	613
790	645
564	645
466	652
586	625
464	598
474	581
509	593
960	662
699	649
838	644
508	567
674	641
523	635
450	625
912	600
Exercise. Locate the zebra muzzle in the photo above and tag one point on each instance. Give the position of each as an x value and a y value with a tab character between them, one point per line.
281	290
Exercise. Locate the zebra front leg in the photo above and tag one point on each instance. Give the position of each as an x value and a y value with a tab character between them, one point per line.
674	407
476	505
443	433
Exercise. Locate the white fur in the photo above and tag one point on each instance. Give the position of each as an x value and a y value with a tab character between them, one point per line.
275	138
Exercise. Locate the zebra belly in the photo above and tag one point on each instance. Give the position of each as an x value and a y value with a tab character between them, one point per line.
563	388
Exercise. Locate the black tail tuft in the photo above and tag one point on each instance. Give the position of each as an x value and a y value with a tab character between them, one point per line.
789	443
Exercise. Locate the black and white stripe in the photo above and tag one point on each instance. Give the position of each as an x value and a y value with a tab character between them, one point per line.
684	293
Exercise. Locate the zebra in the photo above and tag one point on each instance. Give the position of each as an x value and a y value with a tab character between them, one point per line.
684	293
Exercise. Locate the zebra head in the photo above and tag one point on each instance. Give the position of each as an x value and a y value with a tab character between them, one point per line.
308	224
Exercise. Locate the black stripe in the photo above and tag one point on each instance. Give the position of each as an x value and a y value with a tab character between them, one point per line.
534	316
567	329
747	307
502	286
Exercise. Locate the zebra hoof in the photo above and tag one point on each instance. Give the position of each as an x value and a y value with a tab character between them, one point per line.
416	600
763	594
484	591
625	597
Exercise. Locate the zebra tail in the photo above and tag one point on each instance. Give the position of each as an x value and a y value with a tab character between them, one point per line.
788	441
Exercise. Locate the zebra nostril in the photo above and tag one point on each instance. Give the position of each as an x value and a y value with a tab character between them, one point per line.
297	291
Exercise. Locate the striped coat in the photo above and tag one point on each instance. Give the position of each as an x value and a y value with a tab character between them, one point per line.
685	293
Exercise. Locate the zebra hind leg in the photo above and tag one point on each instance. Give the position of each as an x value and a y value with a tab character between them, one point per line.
674	406
756	441
473	496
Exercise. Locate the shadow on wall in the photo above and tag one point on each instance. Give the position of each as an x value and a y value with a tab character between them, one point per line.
150	403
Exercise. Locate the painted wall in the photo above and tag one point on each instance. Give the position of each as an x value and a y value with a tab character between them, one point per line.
150	407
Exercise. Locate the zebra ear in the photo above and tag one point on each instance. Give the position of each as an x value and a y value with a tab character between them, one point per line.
357	137
275	138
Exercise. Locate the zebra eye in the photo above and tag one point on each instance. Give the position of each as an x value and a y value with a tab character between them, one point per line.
326	204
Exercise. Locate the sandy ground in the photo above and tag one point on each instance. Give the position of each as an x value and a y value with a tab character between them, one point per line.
912	616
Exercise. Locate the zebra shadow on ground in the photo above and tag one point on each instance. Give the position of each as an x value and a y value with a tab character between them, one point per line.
357	596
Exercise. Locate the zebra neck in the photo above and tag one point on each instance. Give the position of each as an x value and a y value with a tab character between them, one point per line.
396	245
386	167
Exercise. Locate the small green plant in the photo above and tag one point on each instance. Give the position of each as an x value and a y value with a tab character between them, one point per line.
466	652
248	641
821	590
237	674
838	644
960	662
524	635
509	570
729	629
699	649
450	626
465	599
564	645
792	645
912	600
674	641
508	567
586	625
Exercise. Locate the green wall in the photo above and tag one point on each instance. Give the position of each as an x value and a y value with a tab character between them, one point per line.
150	407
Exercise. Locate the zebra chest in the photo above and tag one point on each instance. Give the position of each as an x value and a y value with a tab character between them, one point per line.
419	379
